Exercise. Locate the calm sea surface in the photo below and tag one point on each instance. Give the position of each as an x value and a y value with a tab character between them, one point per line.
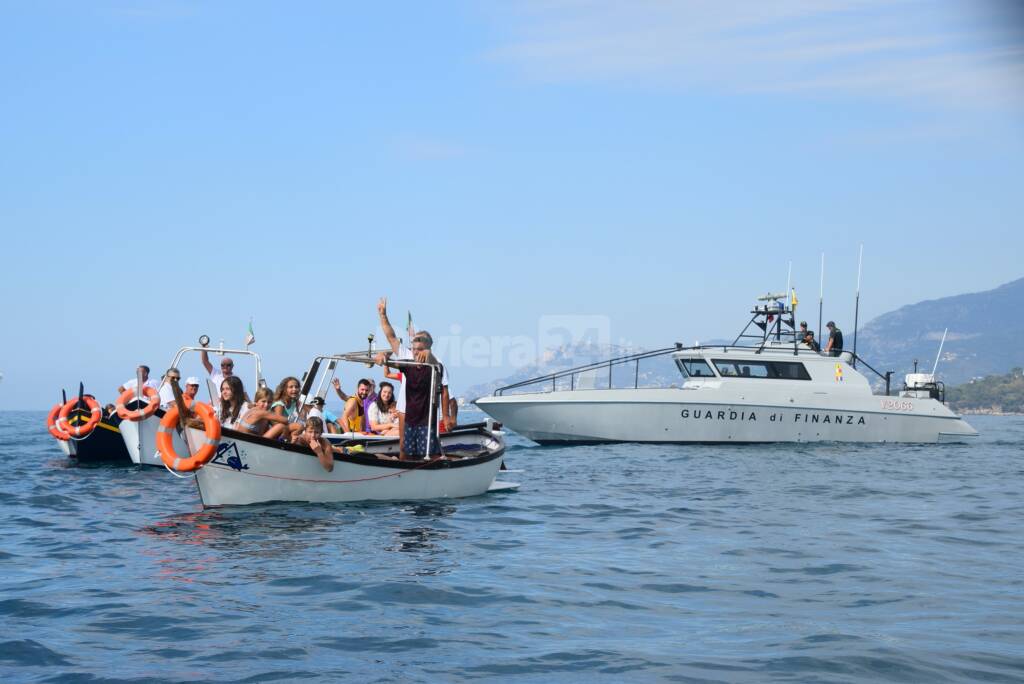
831	563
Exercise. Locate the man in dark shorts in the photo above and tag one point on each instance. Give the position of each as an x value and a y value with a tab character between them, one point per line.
834	347
415	414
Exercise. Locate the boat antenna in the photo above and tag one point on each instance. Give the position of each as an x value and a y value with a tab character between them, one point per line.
789	278
939	355
856	305
821	294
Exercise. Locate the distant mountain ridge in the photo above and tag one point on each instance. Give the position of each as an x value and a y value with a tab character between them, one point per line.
984	336
984	339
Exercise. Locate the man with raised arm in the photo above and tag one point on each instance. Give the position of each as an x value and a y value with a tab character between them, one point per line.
416	436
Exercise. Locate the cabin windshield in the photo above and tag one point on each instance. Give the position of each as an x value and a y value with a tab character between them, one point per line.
695	368
776	370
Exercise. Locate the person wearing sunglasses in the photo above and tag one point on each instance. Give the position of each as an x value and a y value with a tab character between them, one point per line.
227	370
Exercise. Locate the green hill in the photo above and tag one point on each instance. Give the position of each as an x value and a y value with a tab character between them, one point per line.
991	394
984	335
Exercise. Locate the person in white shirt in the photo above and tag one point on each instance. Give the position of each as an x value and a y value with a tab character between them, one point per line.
166	393
133	383
383	413
227	369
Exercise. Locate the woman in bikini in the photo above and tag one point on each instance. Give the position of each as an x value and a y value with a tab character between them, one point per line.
257	420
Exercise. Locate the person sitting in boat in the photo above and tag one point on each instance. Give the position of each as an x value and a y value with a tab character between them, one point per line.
286	403
191	388
383	413
834	346
166	391
134	382
260	420
313	437
810	341
315	407
369	399
232	401
353	419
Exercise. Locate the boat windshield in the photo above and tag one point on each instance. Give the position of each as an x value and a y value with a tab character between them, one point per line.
695	368
779	370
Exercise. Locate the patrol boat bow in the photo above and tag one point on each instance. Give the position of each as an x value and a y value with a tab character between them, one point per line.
767	386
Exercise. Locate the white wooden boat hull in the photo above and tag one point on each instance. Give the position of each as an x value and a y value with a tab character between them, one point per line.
250	470
682	416
140	438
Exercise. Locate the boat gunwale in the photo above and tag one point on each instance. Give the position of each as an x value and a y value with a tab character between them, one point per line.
359	459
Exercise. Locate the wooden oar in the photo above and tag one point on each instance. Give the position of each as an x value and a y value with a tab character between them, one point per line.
183	413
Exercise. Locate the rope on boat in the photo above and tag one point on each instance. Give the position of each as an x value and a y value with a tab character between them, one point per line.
361	479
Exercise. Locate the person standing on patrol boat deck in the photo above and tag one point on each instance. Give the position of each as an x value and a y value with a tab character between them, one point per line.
834	347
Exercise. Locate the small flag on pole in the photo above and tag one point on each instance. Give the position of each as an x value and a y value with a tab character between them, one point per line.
409	328
251	337
793	300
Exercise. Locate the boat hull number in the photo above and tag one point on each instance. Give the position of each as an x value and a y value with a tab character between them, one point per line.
897	405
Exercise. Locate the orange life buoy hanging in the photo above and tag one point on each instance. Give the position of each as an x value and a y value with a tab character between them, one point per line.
95	413
165	444
142	413
51	424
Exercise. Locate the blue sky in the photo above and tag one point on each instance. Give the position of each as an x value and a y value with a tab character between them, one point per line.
171	168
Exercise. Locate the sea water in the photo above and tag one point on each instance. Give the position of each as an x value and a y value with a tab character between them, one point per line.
816	563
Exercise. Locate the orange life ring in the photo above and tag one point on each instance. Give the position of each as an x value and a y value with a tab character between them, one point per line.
165	444
51	424
79	430
138	414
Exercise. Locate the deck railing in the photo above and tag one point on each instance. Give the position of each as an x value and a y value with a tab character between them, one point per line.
571	373
635	359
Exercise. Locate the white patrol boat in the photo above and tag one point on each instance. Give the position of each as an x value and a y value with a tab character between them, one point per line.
767	386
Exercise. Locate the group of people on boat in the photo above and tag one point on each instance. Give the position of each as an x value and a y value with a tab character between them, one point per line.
834	345
370	410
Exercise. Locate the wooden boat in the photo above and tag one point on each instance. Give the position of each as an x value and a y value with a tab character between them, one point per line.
248	469
237	468
140	432
84	434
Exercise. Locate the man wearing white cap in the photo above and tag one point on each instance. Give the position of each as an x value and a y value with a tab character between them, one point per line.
191	387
